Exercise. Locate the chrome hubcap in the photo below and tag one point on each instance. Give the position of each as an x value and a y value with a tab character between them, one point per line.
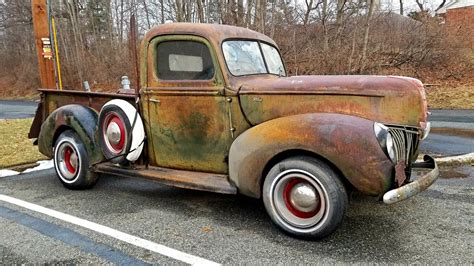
113	133
299	199
303	197
73	160
67	161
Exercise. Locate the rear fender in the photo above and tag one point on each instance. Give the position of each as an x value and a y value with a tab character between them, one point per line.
81	119
348	142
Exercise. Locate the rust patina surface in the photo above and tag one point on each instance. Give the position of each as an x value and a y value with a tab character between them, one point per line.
344	141
81	119
391	100
235	126
53	99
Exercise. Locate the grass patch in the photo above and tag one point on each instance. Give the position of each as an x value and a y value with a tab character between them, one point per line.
446	97
15	147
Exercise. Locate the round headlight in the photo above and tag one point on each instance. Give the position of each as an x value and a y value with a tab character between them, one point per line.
385	140
391	148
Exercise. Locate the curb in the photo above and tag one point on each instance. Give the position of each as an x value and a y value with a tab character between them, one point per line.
30	167
465	159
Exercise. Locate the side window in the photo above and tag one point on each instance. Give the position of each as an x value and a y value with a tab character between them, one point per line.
184	60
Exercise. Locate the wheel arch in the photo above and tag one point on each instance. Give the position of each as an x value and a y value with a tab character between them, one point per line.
80	119
346	143
286	154
59	131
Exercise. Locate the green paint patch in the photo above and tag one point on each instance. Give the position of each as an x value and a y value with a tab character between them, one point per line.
15	147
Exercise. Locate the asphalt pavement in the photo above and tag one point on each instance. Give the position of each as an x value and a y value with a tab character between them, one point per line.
450	142
452	118
10	109
433	227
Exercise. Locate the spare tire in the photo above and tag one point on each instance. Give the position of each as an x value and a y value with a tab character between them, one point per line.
119	142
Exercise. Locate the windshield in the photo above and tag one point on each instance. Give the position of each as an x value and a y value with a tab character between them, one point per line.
245	58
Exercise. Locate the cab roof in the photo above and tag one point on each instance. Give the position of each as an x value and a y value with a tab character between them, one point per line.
213	32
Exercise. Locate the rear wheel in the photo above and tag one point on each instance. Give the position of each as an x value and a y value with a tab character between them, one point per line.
304	197
71	162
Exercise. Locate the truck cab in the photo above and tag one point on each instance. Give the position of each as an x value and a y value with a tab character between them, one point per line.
215	110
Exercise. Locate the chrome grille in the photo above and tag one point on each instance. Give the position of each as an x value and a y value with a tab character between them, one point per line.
406	141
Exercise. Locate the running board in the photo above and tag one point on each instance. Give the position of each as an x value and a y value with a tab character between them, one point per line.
177	178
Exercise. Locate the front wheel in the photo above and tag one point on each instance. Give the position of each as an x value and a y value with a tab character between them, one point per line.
304	197
71	162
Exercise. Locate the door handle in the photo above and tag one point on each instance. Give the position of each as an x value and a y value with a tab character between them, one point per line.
155	101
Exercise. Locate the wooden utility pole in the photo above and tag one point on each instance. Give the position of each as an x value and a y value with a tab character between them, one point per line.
43	44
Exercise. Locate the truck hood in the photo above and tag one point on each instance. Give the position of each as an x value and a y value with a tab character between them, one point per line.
387	99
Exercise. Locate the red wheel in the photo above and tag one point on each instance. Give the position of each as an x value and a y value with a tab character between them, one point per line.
298	198
113	132
69	158
71	162
304	197
301	198
119	142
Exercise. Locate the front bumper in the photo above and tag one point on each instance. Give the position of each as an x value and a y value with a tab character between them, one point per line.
417	186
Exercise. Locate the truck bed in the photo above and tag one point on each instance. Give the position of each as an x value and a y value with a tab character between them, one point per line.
53	99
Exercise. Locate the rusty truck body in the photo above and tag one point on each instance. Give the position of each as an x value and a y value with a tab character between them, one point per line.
219	113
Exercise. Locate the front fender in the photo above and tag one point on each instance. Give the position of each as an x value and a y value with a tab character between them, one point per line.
81	119
348	142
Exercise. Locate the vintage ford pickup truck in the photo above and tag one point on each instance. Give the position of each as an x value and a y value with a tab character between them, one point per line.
216	111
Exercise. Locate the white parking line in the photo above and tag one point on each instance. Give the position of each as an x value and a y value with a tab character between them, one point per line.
139	242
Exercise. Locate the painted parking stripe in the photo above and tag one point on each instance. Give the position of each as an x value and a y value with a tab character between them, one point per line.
70	237
134	240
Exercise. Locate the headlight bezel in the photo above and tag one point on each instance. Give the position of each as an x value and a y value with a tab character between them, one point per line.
385	139
426	131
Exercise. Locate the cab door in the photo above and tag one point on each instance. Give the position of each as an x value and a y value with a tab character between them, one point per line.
188	121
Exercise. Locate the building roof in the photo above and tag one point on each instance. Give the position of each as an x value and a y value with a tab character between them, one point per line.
456	4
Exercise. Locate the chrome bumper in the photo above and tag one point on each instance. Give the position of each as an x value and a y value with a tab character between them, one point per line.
417	186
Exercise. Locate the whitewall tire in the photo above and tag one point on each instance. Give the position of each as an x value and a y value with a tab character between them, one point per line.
71	162
304	197
120	143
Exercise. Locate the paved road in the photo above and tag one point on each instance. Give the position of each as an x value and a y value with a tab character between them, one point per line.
452	118
447	145
17	109
434	227
450	142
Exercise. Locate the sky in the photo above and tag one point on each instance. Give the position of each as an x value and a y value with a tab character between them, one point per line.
394	5
410	5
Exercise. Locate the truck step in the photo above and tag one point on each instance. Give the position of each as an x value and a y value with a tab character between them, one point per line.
179	178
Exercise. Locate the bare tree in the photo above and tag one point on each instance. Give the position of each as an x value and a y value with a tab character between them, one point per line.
310	6
147	16
314	36
179	9
200	11
371	4
240	12
248	16
260	14
443	2
324	22
421	5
